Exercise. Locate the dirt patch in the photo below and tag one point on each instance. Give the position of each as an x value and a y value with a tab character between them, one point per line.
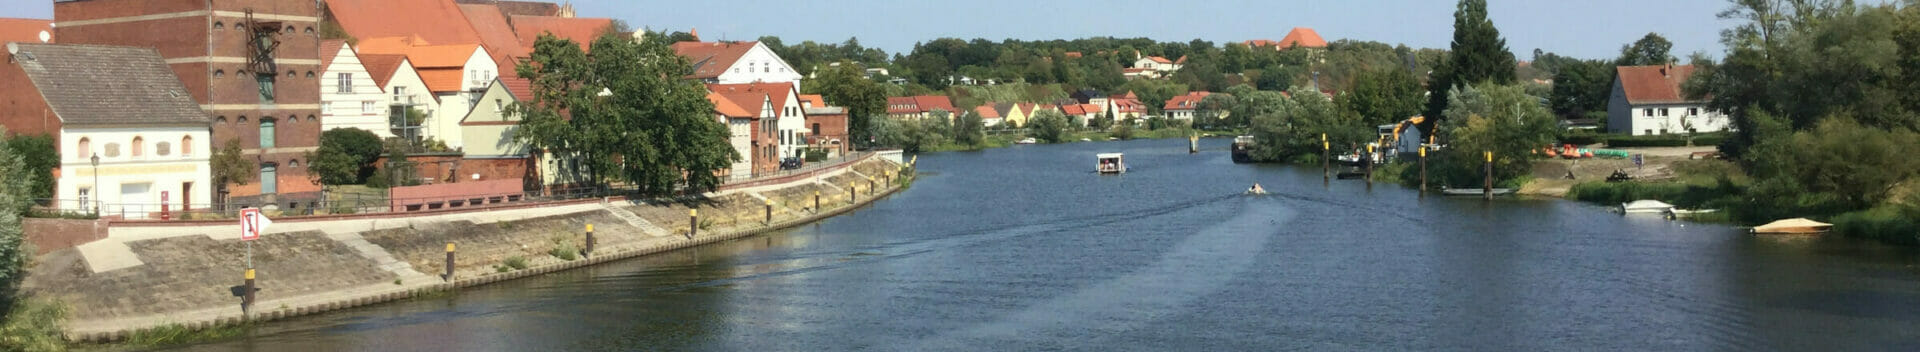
195	272
481	247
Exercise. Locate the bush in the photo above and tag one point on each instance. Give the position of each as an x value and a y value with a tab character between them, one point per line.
515	262
1891	224
564	249
345	156
1670	140
816	155
1679	194
34	325
1048	126
1583	138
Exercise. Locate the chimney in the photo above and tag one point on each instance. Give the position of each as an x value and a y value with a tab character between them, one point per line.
1667	71
696	33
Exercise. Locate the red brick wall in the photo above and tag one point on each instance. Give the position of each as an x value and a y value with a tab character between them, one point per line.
49	235
22	110
831	127
493	169
455	194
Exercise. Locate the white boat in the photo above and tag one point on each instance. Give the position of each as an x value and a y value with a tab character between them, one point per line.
1646	206
1029	140
1794	226
1085	140
1111	163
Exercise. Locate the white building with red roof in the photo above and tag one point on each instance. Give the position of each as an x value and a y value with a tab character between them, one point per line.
736	63
1647	100
918	107
1185	106
349	96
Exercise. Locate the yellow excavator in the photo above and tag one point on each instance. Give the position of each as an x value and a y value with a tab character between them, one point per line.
1392	139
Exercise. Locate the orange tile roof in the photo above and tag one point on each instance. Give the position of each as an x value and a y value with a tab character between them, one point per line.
776	91
439	21
521	88
919	104
817	101
1159	59
422	56
710	59
495	33
328	50
382	67
580	30
729	104
1304	37
987	111
527	8
1188	101
1654	84
25	30
442	79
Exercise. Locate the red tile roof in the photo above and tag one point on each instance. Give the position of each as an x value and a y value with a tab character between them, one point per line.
710	59
382	67
1159	59
776	91
1304	37
521	88
495	34
522	8
580	30
328	50
987	111
919	104
24	30
730	107
1654	84
818	102
1074	54
442	79
422	56
1181	61
1188	101
1078	109
437	21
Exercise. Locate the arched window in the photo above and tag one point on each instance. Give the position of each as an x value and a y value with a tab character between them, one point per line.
309	74
309	30
242	120
85	148
219	26
139	145
220	120
293	163
289	30
162	149
290	74
266	133
292	119
310	118
186	144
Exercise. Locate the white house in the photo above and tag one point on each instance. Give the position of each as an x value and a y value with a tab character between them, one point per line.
785	108
126	107
736	62
1647	100
349	96
404	89
457	75
1160	64
1185	107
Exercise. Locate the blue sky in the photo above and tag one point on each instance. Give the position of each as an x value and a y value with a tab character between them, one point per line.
1581	28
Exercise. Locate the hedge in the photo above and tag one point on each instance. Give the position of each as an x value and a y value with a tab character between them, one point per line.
1670	140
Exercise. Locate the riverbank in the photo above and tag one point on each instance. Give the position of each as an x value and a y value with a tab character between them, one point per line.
173	277
1010	138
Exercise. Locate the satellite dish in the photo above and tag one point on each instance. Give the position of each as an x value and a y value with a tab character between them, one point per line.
45	37
13	49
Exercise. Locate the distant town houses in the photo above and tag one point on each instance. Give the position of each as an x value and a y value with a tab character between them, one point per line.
736	62
1647	100
918	107
130	134
1299	37
1184	107
827	129
990	114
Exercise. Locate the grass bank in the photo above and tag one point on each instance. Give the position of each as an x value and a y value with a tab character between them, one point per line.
34	324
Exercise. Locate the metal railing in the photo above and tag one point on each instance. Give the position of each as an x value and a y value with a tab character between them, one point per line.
366	203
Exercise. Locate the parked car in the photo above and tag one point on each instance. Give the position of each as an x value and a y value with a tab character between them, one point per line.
792	163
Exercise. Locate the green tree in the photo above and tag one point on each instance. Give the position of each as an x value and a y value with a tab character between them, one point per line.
1500	119
1650	50
1384	96
40	158
970	130
345	156
1220	107
1048	126
15	198
1478	55
229	167
1839	165
630	115
1288	128
1101	122
864	99
1580	87
1123	130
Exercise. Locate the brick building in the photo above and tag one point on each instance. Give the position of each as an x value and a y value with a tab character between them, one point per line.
252	65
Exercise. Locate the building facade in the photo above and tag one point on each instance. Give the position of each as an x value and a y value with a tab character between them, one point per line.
737	63
349	96
1647	100
251	64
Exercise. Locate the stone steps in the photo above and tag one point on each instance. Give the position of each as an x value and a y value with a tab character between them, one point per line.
635	220
380	256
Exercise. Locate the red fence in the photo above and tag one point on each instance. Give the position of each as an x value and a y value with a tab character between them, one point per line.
454	195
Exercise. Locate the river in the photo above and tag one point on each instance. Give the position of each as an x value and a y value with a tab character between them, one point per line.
1024	248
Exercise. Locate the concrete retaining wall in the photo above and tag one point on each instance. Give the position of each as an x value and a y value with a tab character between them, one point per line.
184	279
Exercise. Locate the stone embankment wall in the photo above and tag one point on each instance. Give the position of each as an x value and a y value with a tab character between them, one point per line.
146	277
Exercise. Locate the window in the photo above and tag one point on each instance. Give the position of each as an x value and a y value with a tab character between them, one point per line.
268	183
139	145
292	119
368	107
326	108
84	192
186	146
398	93
290	74
85	148
162	149
219	26
219	73
220	120
1649	131
499	105
309	30
266	87
113	150
309	74
243	119
1663	131
1663	112
1693	111
310	118
266	133
293	163
1649	112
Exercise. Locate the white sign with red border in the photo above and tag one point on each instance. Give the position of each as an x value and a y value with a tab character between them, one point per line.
252	224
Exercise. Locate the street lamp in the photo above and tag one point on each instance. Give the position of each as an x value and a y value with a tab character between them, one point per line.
96	182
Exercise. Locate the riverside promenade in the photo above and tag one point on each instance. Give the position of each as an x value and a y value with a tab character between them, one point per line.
154	275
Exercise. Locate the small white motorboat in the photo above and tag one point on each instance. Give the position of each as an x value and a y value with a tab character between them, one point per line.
1029	140
1795	226
1646	206
1111	163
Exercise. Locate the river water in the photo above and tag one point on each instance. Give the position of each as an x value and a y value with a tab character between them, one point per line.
1024	248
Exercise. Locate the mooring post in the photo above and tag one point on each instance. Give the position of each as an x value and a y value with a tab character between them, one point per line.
853	192
693	223
589	250
769	211
1326	159
1369	167
1488	189
1423	169
246	299
816	202
449	275
870	185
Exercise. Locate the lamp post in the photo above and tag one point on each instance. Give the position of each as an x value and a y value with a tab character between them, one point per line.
96	183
